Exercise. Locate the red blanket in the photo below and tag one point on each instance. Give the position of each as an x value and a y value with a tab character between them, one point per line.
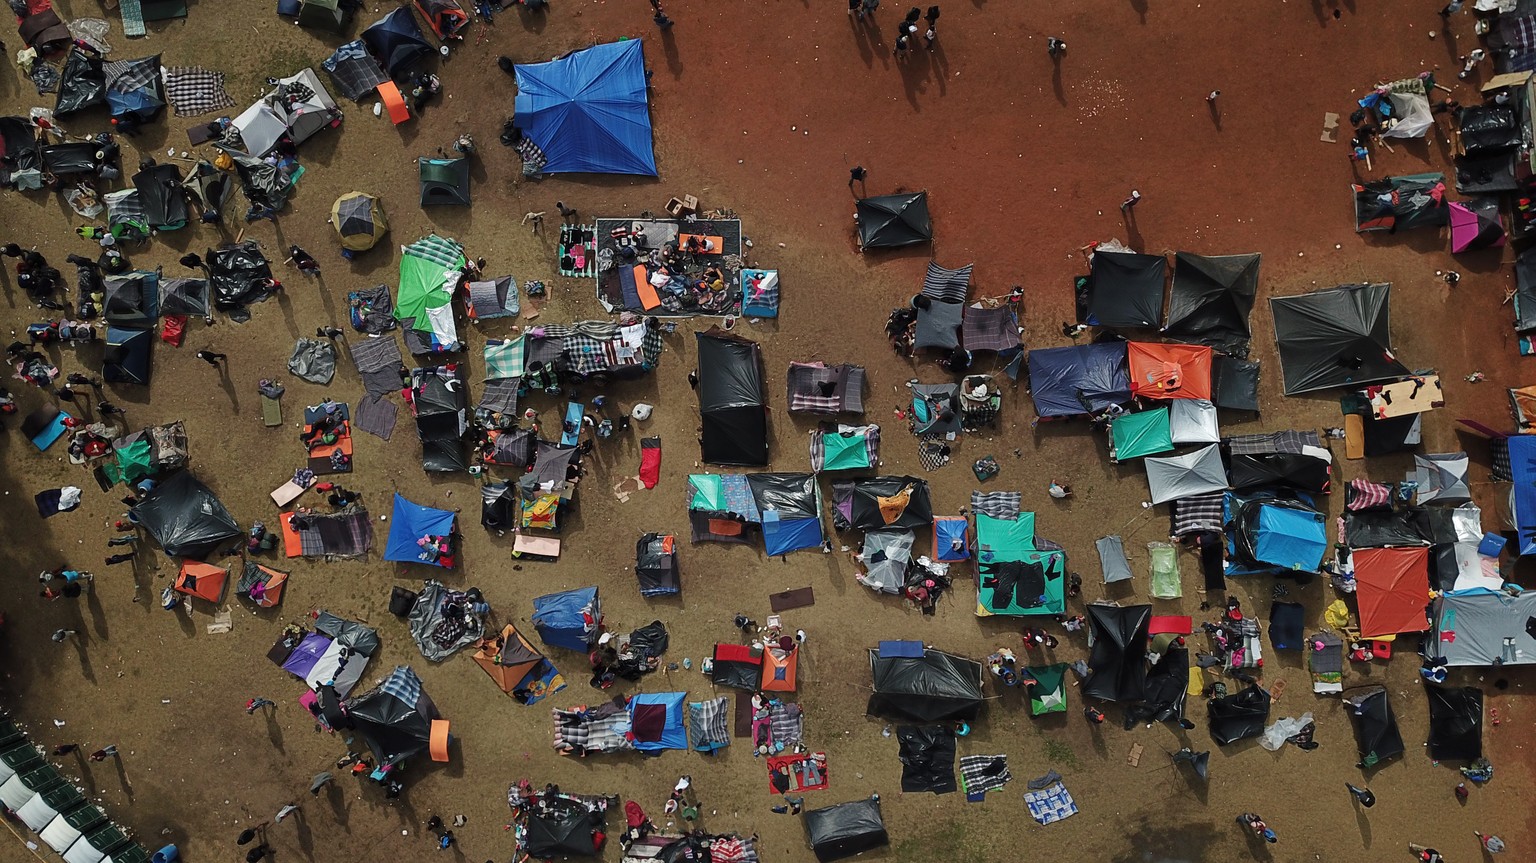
650	461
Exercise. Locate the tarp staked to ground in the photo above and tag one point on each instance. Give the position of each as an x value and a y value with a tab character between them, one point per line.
1336	337
1117	662
412	523
845	830
1126	290
732	400
1169	371
588	111
1211	298
1481	627
1139	434
1392	585
1079	379
185	517
1180	476
933	687
891	221
569	619
1013	576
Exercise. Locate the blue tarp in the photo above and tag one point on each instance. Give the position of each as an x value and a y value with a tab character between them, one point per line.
569	619
1078	379
672	734
1290	538
1522	460
784	535
588	111
946	530
409	523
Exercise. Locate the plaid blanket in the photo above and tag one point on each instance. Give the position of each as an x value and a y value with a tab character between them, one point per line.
813	388
1050	805
346	534
998	504
375	355
446	253
504	358
871	434
1502	469
125	76
709	724
983	773
1268	442
601	729
1518	41
500	396
942	284
786	722
1198	513
989	329
932	454
193	91
354	71
376	416
403	685
1363	494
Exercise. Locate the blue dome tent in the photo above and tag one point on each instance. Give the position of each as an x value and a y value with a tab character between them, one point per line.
570	619
409	524
588	111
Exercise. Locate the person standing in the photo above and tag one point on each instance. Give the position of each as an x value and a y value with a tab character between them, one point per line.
319	781
1211	97
1426	855
1364	795
1055	47
914	14
856	174
59	636
853	8
901	47
567	214
1132	201
664	23
933	16
212	358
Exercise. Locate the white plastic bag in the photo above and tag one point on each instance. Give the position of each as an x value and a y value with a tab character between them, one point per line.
1275	735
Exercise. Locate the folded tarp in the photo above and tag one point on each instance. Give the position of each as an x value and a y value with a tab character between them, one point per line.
1239	715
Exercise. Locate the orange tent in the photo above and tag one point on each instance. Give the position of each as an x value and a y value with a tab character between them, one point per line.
779	670
202	580
1392	586
508	658
1168	371
262	585
394	103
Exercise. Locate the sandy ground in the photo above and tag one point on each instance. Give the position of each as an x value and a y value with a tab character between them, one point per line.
761	107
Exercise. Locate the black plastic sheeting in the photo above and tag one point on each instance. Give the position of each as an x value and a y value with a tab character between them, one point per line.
1376	734
160	194
656	568
892	221
239	275
738	674
1126	289
1117	663
934	687
1235	383
78	157
18	145
1211	299
1383	529
82	84
498	506
927	758
791	495
841	831
1455	723
566	829
185	517
647	642
1279	469
1239	715
1336	337
732	401
864	507
396	41
1167	687
1487	129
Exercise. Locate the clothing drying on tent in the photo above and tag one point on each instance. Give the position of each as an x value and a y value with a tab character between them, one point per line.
1195	473
1400	203
1475	225
354	71
395	720
396	42
261	585
439	397
444	621
1139	434
822	389
429	275
1482	628
1169	371
1392	585
546	490
1117	661
443	181
930	686
570	619
1212	298
359	221
588	111
185	517
1078	380
1013	576
420	534
656	565
892	221
656	721
941	307
835	446
881	502
1376	734
845	830
732	400
1126	289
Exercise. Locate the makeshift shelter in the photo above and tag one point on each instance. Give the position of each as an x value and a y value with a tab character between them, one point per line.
417	534
941	308
396	42
1476	225
238	274
656	721
887	557
790	508
881	502
1048	693
588	111
498	506
1376	733
265	185
261	585
82	83
21	159
656	565
185	517
184	297
1169	371
1277	535
202	580
1179	476
1482	628
737	665
517	667
1117	660
779	669
732	400
1522	461
136	90
354	71
1080	379
331	16
43	30
161	196
1112	560
439	397
132	300
1139	434
126	358
1240	715
927	754
570	619
1335	337
1455	723
429	274
1013	577
892	221
1193	421
1392	586
1126	289
491	298
299	106
444	621
720	507
931	686
359	220
844	447
1400	203
394	720
845	830
1211	299
562	827
822	389
950	540
708	724
1442	477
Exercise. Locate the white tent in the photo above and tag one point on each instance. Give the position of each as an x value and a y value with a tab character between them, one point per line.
1193	421
1442	477
1174	477
260	127
270	118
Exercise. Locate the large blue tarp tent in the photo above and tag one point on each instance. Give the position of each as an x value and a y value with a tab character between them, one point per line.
656	720
409	525
1079	379
1274	534
588	111
1522	461
569	619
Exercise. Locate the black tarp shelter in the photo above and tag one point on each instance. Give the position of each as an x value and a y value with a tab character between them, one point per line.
498	506
1336	337
1239	715
933	687
74	157
884	502
841	831
1297	471
185	517
1235	383
126	357
396	41
1399	203
656	565
82	83
239	274
131	300
1455	723
891	221
161	196
927	758
440	397
563	828
1211	299
1117	661
18	148
1125	289
394	719
1376	733
733	403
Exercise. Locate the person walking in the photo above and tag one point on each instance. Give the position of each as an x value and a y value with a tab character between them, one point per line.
1426	854
930	36
567	214
933	16
319	781
867	10
327	333
212	358
125	539
1491	843
107	409
1058	490
856	174
257	854
1132	201
901	47
258	703
1055	47
104	753
1364	795
249	833
1212	96
303	260
59	635
288	809
914	14
65	748
664	23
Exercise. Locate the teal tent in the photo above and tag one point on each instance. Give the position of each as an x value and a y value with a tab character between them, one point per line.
1139	434
1013	576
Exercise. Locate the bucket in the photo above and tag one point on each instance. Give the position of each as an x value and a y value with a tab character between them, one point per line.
168	854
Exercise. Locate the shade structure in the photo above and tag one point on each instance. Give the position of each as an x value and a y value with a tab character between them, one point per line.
1475	225
410	525
185	517
1481	627
1081	379
1139	434
892	221
1400	203
588	111
932	687
444	181
1169	371
395	719
845	830
136	90
1336	337
1126	289
1178	476
1211	298
1455	723
396	41
1392	585
1376	733
1193	421
732	400
359	220
1442	477
509	659
1117	662
202	580
570	619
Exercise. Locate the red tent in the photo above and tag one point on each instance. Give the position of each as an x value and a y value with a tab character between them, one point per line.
1392	586
1169	371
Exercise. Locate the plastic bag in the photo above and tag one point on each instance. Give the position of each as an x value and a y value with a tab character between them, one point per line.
1275	735
1165	571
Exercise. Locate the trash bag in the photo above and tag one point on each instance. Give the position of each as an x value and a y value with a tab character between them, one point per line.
1276	734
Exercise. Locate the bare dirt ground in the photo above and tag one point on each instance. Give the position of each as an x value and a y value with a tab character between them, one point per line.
762	107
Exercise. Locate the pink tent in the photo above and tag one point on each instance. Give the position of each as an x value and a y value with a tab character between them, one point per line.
1475	225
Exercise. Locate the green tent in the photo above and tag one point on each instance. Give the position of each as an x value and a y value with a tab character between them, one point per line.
843	448
1049	692
429	272
708	492
1165	571
134	462
1013	576
1139	434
